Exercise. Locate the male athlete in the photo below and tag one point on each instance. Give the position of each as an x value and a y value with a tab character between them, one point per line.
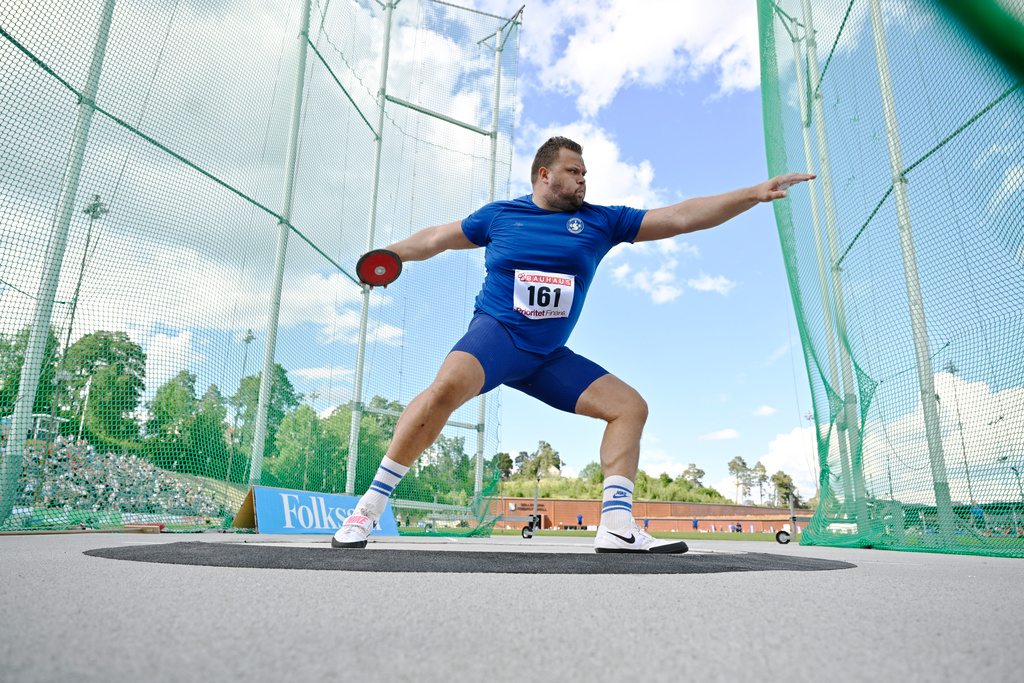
541	252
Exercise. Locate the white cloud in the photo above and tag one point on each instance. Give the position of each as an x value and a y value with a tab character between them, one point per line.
1013	181
673	246
619	273
593	50
660	284
328	372
977	426
765	411
166	355
706	283
655	461
721	434
611	181
794	454
727	487
777	353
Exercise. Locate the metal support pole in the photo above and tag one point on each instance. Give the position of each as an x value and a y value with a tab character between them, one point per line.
499	42
357	390
35	349
851	420
830	339
919	329
267	377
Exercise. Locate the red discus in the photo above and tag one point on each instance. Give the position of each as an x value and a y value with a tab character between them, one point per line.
379	268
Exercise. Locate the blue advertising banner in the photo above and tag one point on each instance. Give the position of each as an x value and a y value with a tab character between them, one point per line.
283	511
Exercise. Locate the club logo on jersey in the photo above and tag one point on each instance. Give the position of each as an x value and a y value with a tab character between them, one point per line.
575	226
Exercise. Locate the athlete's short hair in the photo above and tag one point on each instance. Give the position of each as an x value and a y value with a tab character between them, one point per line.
548	154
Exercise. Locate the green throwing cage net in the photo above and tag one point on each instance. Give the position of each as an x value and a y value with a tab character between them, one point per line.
906	265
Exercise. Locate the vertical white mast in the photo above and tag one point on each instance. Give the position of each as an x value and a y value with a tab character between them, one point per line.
267	377
919	329
35	349
357	391
848	417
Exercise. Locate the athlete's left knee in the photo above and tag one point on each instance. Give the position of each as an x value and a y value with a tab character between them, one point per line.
635	407
611	399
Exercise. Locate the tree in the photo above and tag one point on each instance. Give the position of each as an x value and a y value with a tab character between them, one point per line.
188	434
300	446
12	358
246	400
172	406
331	471
387	422
503	463
540	462
760	477
206	433
523	465
738	469
784	488
114	368
693	474
592	473
747	484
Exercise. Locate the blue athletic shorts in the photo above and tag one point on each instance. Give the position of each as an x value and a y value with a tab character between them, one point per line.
557	378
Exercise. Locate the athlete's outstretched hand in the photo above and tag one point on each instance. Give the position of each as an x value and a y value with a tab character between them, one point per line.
773	189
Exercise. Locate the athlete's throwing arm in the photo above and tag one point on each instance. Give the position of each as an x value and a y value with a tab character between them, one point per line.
542	251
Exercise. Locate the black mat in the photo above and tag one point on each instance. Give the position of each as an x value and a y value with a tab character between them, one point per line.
456	562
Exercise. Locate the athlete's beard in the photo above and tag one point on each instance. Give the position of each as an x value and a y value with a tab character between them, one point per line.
566	199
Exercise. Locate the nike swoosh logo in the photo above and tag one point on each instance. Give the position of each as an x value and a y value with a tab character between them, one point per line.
631	538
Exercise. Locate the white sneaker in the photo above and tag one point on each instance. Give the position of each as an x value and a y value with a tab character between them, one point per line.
634	540
355	531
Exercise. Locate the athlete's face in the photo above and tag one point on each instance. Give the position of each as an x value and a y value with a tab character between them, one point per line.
566	181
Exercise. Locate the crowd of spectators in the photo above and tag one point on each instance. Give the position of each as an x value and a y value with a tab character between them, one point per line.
74	476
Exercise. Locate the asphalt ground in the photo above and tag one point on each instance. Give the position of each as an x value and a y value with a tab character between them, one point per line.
766	612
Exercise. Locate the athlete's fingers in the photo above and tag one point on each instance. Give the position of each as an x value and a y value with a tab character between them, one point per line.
790	179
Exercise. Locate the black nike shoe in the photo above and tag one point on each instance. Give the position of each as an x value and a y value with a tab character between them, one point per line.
633	539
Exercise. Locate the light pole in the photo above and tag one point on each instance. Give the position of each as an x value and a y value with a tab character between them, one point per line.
94	211
952	369
234	435
1020	488
1016	472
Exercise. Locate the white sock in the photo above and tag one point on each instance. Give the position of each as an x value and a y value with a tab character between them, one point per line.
617	509
388	475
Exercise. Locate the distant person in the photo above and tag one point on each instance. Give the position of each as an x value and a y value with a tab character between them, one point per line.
541	255
645	524
695	524
579	521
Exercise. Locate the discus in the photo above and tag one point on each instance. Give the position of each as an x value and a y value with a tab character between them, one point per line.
379	268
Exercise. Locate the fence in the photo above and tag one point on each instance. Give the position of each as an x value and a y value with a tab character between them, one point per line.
184	191
906	265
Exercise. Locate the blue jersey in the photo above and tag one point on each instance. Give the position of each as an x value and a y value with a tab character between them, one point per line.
540	264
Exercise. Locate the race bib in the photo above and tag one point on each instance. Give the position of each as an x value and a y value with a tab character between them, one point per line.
539	295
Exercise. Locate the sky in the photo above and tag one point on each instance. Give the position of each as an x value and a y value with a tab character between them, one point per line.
665	100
